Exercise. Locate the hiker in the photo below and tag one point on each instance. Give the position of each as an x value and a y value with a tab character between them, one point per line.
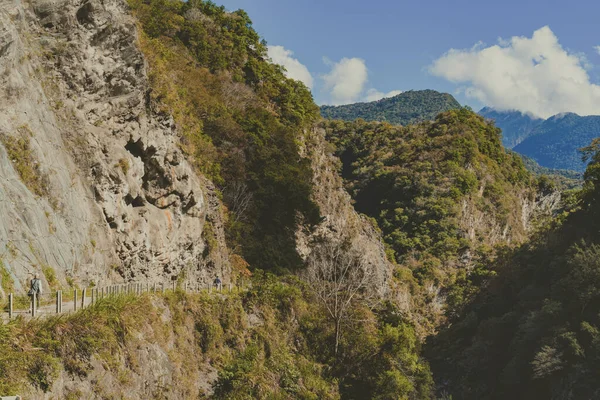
217	283
36	288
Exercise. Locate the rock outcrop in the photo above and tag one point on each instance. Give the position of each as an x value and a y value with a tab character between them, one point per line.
112	196
340	222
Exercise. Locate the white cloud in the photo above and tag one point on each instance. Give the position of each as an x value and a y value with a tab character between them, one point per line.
597	48
295	69
534	75
346	80
374	94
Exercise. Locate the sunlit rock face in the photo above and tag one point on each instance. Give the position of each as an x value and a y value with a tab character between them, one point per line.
112	196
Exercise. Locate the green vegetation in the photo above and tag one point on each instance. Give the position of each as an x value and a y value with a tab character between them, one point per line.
240	118
50	276
556	142
561	179
553	143
33	352
7	283
532	330
404	109
271	342
6	279
416	180
515	320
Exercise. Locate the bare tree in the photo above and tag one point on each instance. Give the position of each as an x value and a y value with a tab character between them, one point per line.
340	275
239	198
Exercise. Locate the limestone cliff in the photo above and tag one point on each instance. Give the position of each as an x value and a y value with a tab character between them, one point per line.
93	184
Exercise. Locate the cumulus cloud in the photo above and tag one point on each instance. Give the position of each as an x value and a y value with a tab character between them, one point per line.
374	94
534	75
294	68
597	48
346	80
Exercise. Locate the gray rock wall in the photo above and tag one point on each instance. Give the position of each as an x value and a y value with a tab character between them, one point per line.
119	201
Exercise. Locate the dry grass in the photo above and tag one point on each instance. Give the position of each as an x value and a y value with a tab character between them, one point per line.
25	164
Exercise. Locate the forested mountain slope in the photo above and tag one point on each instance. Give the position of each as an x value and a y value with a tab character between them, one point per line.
533	329
191	158
556	142
403	109
553	143
239	119
444	193
562	178
155	139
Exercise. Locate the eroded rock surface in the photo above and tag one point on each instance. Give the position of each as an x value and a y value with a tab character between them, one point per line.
121	201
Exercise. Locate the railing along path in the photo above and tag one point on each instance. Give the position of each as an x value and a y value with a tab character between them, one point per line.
71	300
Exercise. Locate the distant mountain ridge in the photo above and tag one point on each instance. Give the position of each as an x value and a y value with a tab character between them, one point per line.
406	108
515	125
556	142
552	143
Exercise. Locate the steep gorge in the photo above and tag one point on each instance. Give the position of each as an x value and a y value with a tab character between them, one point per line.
154	140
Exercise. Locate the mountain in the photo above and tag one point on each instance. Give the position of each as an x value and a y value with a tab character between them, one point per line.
555	143
154	141
563	178
444	193
406	108
515	125
531	329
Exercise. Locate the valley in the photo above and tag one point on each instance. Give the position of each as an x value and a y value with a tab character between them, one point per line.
396	249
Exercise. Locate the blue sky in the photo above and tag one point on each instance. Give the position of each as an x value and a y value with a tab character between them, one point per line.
398	42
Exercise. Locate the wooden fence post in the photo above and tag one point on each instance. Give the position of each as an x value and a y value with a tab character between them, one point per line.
74	299
10	305
174	286
58	301
154	287
83	292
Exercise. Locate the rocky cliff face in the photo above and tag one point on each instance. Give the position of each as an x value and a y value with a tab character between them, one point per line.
93	184
340	222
